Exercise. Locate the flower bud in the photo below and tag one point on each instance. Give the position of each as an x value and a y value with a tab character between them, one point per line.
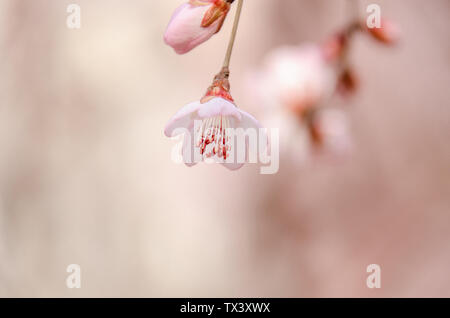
348	82
389	33
334	47
194	23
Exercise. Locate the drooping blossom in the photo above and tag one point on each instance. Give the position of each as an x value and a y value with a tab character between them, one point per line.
297	77
292	82
209	127
194	23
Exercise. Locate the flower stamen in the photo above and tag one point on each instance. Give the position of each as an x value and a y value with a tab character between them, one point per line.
214	137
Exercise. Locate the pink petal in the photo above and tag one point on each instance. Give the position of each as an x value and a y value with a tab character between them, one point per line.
185	30
299	76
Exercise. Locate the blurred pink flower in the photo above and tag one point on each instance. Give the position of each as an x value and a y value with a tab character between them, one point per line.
297	77
210	137
194	23
330	132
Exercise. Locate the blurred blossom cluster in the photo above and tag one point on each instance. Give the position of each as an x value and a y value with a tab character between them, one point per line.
301	82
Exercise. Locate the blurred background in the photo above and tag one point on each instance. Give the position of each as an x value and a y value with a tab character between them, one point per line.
86	176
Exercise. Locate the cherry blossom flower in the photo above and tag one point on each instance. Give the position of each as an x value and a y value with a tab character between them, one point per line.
293	82
209	127
298	77
194	23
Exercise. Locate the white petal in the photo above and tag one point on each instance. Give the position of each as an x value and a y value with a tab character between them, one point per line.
248	121
184	118
218	107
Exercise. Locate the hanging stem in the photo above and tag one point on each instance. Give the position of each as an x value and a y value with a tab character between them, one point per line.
226	62
353	7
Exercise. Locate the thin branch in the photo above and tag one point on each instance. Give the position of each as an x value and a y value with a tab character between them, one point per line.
226	62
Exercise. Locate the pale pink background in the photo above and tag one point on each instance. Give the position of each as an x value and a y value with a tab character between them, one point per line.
86	175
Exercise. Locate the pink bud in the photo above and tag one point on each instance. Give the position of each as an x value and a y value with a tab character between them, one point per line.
348	82
194	23
389	33
334	47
